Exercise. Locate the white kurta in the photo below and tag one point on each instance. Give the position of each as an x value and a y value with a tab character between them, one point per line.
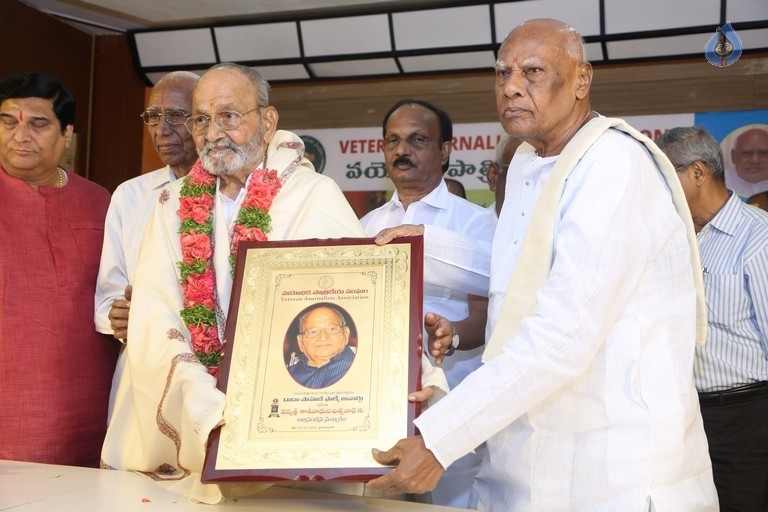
129	211
166	403
591	404
457	257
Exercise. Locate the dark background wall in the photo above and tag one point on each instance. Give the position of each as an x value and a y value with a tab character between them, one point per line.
98	71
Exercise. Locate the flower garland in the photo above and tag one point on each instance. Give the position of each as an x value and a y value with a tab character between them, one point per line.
198	281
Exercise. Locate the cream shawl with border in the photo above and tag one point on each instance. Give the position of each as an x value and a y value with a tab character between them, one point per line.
533	264
166	403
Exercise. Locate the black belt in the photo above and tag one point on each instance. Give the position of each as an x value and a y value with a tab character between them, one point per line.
734	395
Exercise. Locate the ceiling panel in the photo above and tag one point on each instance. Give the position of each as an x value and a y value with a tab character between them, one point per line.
656	47
746	10
339	36
622	16
287	72
331	39
175	47
346	68
257	42
442	28
583	15
751	39
442	62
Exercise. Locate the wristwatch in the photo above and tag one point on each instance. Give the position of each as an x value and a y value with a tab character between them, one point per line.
454	340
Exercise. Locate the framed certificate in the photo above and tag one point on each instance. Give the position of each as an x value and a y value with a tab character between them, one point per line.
322	348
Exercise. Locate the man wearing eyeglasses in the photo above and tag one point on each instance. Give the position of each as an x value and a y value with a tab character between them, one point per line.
323	340
166	401
731	370
497	170
170	104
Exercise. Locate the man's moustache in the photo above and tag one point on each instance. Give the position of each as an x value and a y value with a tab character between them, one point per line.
403	160
222	144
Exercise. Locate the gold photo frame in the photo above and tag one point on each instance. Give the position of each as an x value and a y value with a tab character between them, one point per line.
277	424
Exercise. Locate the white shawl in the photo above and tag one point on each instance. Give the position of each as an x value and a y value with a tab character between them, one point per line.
166	403
535	257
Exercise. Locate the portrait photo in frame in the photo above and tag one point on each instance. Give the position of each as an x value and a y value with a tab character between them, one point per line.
322	348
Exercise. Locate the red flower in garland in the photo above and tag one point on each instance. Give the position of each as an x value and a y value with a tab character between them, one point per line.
196	208
253	221
245	233
199	289
262	190
195	246
198	282
208	337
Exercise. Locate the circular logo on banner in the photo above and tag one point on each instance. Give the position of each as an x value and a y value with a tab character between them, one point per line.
314	151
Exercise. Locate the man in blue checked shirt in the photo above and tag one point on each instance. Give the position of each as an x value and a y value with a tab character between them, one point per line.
731	371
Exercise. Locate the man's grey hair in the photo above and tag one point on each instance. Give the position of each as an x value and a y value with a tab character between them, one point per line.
262	86
323	305
187	77
575	47
688	144
500	147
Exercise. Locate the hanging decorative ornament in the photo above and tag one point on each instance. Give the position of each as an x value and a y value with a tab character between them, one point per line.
724	47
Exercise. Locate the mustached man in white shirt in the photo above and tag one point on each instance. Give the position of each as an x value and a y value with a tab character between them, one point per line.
457	243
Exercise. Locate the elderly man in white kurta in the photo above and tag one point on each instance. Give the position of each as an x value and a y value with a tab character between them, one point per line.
166	403
586	398
170	104
133	201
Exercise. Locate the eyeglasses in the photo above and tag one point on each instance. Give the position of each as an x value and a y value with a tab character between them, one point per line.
227	120
314	332
153	117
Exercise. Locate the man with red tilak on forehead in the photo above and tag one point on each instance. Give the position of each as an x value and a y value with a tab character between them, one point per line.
55	368
586	399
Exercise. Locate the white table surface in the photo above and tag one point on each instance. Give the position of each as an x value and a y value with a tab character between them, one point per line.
28	487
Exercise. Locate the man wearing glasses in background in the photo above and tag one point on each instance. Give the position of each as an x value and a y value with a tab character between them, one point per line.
497	170
251	182
170	104
731	370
